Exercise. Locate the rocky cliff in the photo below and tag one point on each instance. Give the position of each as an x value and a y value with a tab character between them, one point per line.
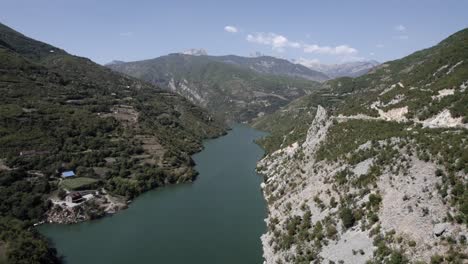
380	173
379	202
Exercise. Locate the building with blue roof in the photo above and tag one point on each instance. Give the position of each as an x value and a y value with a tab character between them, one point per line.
67	174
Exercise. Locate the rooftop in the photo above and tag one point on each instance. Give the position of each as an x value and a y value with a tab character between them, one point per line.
66	174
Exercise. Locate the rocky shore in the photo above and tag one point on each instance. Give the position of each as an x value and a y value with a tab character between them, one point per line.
68	213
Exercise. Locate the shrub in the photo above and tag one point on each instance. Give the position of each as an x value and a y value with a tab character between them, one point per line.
61	194
347	217
375	199
436	259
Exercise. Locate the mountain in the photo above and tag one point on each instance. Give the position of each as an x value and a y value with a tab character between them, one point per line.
114	62
348	69
373	169
274	66
60	112
229	90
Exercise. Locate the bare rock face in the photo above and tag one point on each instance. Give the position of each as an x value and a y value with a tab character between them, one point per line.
318	129
98	206
383	178
64	215
346	210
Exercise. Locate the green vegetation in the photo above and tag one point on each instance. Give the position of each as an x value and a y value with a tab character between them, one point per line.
421	78
348	136
80	183
291	123
23	245
363	148
347	217
22	197
351	96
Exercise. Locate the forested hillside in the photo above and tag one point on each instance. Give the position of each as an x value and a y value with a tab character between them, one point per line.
60	112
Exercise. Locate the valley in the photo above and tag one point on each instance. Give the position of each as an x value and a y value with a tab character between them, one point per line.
306	152
62	113
232	88
207	220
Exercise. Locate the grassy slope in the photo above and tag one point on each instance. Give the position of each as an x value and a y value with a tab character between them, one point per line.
77	183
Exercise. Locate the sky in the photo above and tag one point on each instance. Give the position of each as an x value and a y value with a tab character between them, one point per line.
310	31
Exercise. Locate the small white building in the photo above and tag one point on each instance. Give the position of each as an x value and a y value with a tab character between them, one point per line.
74	197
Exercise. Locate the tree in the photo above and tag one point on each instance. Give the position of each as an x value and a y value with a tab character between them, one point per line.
347	217
61	194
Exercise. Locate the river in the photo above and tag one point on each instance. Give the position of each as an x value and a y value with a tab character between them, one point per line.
217	219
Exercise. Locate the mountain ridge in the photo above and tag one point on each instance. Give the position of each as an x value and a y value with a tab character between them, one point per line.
228	90
370	169
347	69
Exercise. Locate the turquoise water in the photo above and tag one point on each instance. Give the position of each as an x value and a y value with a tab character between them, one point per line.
216	219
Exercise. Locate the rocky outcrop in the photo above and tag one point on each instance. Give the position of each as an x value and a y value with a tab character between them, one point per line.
97	207
347	211
66	215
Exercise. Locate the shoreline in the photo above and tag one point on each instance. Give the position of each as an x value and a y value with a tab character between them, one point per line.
123	204
160	208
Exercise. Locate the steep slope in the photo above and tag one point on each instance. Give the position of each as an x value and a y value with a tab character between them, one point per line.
61	112
348	69
378	175
227	90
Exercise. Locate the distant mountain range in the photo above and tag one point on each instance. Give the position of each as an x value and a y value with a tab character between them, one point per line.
115	62
275	66
232	87
348	69
235	87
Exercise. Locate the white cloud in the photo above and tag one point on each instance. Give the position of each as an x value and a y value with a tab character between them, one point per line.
280	42
372	53
400	28
126	34
402	37
277	42
380	46
338	50
231	29
402	32
307	62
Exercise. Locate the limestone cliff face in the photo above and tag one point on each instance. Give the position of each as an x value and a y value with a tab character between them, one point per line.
379	201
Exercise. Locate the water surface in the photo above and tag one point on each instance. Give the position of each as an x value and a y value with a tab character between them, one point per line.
217	219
